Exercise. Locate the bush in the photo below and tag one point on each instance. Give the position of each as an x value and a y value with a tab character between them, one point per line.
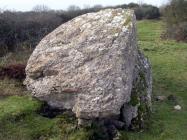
133	5
150	12
176	20
13	71
28	28
3	50
18	29
139	13
147	12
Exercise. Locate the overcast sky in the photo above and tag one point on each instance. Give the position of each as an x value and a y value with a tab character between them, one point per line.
25	5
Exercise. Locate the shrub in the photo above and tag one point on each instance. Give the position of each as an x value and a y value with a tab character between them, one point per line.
139	13
26	29
133	5
13	71
3	50
150	12
147	12
176	20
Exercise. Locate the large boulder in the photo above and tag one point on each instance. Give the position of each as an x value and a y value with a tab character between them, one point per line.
92	66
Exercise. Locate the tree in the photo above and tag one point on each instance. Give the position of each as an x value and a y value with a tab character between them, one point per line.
73	8
133	5
98	6
176	19
86	6
41	8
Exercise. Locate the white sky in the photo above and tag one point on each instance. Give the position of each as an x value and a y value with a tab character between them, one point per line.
25	5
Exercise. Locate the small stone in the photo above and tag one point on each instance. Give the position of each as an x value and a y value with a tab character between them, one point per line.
160	98
84	122
177	107
117	137
118	124
172	98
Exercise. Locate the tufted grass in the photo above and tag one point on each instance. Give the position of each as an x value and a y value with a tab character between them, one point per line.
10	87
19	119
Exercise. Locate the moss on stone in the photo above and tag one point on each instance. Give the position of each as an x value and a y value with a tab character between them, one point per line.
138	98
127	20
138	90
134	99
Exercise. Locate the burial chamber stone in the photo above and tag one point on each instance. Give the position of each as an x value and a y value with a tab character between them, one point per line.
92	66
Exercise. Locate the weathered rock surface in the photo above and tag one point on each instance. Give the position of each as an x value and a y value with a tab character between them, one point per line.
92	66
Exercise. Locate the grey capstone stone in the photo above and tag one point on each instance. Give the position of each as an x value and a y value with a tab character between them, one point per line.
88	64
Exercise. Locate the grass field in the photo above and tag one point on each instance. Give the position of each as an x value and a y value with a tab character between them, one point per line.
19	119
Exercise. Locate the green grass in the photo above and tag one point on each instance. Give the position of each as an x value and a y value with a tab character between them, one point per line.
169	65
10	87
19	118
